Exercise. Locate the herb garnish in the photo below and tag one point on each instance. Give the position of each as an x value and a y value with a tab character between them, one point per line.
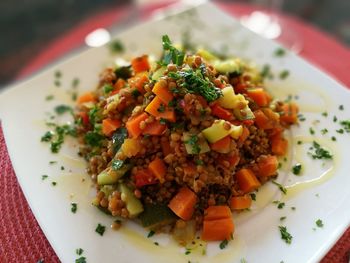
171	54
161	108
334	138
79	251
61	109
319	153
266	71
346	125
44	177
341	131
319	223
107	88
280	205
335	118
284	74
54	183
150	234
74	207
296	169
80	260
193	141
93	138
287	237
324	131
100	229
325	114
312	131
281	187
341	107
223	244
188	251
279	52
49	97
282	218
116	46
117	164
253	196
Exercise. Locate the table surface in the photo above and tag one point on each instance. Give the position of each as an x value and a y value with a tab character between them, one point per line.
21	236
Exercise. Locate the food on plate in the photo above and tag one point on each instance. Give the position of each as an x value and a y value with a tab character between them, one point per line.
180	143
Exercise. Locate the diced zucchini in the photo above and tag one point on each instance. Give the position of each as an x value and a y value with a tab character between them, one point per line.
133	205
216	131
108	189
110	176
244	114
199	145
227	98
156	215
239	101
236	131
228	66
158	73
185	234
206	55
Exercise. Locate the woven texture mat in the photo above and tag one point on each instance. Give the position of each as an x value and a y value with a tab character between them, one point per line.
21	239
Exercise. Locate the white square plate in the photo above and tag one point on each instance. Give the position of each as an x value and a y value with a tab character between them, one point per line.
322	192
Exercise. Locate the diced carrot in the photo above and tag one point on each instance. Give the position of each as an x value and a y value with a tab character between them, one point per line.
110	125
157	108
133	124
140	64
240	202
166	149
262	121
244	136
289	113
221	113
86	97
222	145
259	95
154	128
217	212
216	230
182	204
162	92
118	86
279	145
247	180
267	165
138	82
158	168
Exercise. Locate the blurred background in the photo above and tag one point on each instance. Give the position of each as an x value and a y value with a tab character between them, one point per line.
29	27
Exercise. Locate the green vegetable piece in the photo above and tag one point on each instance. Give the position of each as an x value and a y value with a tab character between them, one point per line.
194	144
158	73
297	169
118	138
244	114
123	72
156	215
133	205
111	176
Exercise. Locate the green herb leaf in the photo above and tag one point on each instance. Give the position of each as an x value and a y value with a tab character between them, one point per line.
44	177
116	46
319	152
47	136
171	53
80	260
346	125
150	234
79	251
223	244
341	107
297	169
284	74
118	138
193	141
93	138
117	164
253	196
74	207
279	52
100	229
60	109
54	183
281	187
287	237
312	131
319	223
107	89
49	97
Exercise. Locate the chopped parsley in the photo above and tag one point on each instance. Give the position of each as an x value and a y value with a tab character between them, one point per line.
79	251
279	52
44	177
334	138
93	138
56	138
293	208
299	142
341	131
193	141
188	251
47	136
161	108
266	71
163	121
253	196
199	162
319	223
117	164
319	152
171	54
54	183
282	218
335	119
324	131
312	131
156	243
58	74
150	234
281	187
74	207
279	204
108	88
325	114
135	93
62	168
346	125
116	46
223	244
61	109
80	260
341	107
57	83
297	169
301	117
49	97
284	74
100	229
52	162
75	82
287	237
